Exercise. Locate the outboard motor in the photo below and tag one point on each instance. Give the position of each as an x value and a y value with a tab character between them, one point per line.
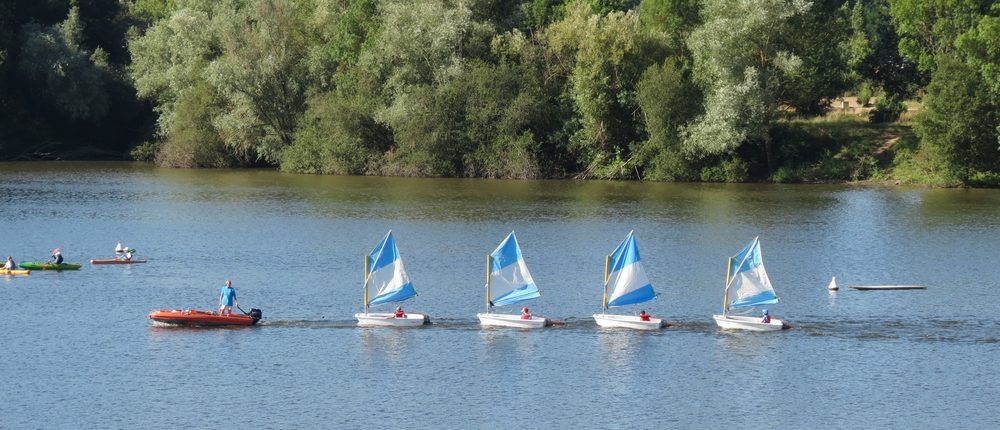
256	314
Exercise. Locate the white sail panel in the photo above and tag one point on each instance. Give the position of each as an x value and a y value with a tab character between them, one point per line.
387	275
749	280
627	281
509	275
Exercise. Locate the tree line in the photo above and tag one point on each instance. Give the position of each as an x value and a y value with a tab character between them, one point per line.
671	90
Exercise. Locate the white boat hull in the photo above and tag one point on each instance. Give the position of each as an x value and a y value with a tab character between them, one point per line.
748	323
390	320
515	321
627	321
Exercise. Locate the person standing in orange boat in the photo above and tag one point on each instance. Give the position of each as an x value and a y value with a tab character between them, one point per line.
227	298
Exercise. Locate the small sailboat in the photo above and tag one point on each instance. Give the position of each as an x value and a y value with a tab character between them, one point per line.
506	272
753	288
629	286
833	285
384	271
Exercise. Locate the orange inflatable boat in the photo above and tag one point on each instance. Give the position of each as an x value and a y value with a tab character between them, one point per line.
196	318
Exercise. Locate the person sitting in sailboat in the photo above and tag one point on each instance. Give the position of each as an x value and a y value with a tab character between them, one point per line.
767	318
525	314
124	253
399	312
643	316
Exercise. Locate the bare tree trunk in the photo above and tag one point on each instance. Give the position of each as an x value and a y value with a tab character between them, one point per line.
768	154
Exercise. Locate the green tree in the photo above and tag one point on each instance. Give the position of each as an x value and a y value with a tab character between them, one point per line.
192	140
675	20
956	42
251	55
62	72
262	78
981	48
873	53
929	28
607	55
958	123
816	37
171	57
669	100
337	135
421	48
745	70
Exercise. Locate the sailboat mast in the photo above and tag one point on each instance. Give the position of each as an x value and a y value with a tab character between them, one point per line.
367	257
604	301
725	294
487	284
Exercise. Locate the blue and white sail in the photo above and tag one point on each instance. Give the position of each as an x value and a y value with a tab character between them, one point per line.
386	273
747	275
627	280
509	275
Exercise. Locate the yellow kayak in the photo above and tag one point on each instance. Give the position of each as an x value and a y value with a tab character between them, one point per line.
12	272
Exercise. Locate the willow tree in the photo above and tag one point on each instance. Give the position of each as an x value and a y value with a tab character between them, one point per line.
605	55
262	77
168	64
422	48
243	61
744	64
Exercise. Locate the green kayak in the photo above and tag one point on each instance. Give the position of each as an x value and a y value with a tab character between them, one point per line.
42	265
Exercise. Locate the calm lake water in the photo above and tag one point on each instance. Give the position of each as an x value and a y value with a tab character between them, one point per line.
79	352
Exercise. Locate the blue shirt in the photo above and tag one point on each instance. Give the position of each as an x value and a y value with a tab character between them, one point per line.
228	295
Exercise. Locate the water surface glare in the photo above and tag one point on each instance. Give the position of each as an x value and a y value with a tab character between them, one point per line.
79	352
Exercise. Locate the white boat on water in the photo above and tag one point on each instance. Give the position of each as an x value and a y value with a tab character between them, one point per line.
833	285
506	272
384	270
623	271
753	289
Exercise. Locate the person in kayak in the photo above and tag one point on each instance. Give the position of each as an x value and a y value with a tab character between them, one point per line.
57	257
227	298
9	265
128	254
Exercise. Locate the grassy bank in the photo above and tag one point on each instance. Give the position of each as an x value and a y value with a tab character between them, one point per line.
846	147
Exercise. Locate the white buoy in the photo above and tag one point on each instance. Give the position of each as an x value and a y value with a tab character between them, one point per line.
833	284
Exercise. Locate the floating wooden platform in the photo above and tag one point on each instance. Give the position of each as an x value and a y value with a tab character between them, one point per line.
888	287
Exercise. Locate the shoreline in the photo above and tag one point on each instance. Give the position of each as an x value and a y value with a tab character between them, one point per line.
846	182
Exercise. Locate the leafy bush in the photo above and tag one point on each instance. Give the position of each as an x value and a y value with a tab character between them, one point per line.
887	109
145	152
729	170
335	136
193	141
